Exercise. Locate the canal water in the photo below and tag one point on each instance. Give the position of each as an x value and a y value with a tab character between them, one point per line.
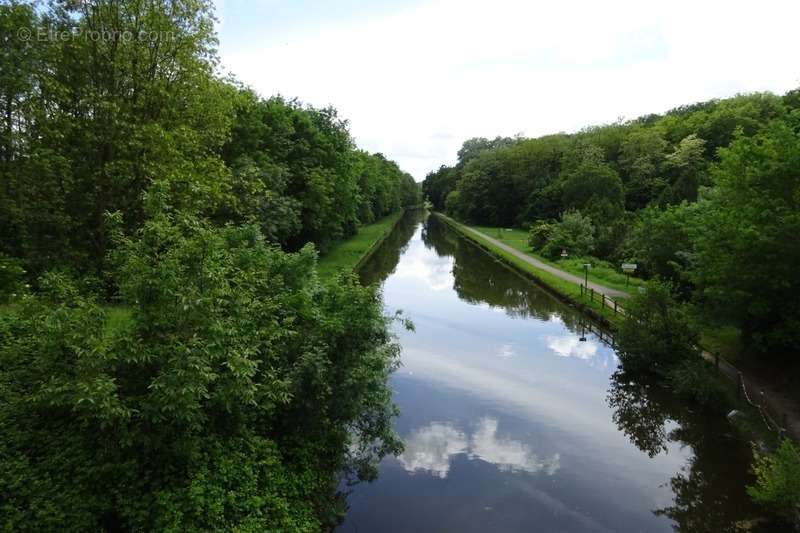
516	418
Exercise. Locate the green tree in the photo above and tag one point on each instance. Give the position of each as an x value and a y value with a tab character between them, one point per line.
660	242
573	233
777	485
744	239
231	396
657	333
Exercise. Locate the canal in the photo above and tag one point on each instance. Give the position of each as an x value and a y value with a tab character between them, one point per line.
516	418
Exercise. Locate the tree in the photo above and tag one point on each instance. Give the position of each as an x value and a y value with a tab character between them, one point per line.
573	233
746	250
777	484
539	234
595	189
657	333
642	155
685	170
660	242
230	396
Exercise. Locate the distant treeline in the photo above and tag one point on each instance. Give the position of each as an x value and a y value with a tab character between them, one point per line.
706	196
89	122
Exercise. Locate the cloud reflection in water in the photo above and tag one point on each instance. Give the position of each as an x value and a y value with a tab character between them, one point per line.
432	447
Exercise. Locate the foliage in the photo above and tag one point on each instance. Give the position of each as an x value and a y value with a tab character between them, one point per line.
573	233
12	279
745	246
89	124
704	196
660	243
657	333
539	234
231	398
778	480
226	388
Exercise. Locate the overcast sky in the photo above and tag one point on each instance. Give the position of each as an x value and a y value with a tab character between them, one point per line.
417	78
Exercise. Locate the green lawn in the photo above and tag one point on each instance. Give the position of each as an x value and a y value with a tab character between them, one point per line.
345	255
601	272
567	288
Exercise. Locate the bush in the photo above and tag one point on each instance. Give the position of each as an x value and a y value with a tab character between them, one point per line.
230	398
12	279
539	234
777	484
574	233
657	333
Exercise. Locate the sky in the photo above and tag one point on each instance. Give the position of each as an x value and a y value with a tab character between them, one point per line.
415	79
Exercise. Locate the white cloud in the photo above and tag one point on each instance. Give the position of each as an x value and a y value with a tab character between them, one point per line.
571	346
508	454
433	447
417	81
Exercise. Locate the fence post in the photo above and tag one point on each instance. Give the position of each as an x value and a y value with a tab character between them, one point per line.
592	295
615	307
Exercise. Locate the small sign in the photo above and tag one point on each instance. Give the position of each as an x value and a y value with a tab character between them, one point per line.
629	267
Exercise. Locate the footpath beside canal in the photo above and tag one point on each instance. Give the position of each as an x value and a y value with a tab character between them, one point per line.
778	412
600	304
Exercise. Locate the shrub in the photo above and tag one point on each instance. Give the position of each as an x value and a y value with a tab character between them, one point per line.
232	395
574	233
777	484
539	234
657	332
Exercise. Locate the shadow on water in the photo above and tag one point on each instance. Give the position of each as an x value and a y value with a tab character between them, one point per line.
511	424
709	489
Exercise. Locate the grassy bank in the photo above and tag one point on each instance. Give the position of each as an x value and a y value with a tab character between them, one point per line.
601	272
348	253
565	290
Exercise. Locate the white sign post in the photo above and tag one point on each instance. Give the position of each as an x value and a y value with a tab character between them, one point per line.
628	268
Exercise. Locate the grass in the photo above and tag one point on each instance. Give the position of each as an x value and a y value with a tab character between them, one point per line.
346	254
725	340
601	272
571	290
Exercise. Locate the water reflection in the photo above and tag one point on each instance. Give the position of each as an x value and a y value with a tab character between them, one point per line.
710	482
432	448
503	414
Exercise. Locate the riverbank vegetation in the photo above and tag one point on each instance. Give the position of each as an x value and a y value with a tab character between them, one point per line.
703	198
170	358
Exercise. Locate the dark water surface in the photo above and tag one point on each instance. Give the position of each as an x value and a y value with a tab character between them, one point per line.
512	422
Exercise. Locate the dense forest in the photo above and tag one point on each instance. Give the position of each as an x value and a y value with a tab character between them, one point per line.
705	197
169	358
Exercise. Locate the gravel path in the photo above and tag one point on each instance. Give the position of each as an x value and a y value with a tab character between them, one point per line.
611	293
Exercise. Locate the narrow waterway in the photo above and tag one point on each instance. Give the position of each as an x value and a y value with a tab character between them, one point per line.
515	417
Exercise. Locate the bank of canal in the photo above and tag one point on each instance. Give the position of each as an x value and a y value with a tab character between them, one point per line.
515	417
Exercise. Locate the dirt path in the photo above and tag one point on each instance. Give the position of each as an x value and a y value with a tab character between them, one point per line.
611	293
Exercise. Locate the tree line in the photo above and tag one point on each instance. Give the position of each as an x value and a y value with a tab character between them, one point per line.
705	197
90	121
169	358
